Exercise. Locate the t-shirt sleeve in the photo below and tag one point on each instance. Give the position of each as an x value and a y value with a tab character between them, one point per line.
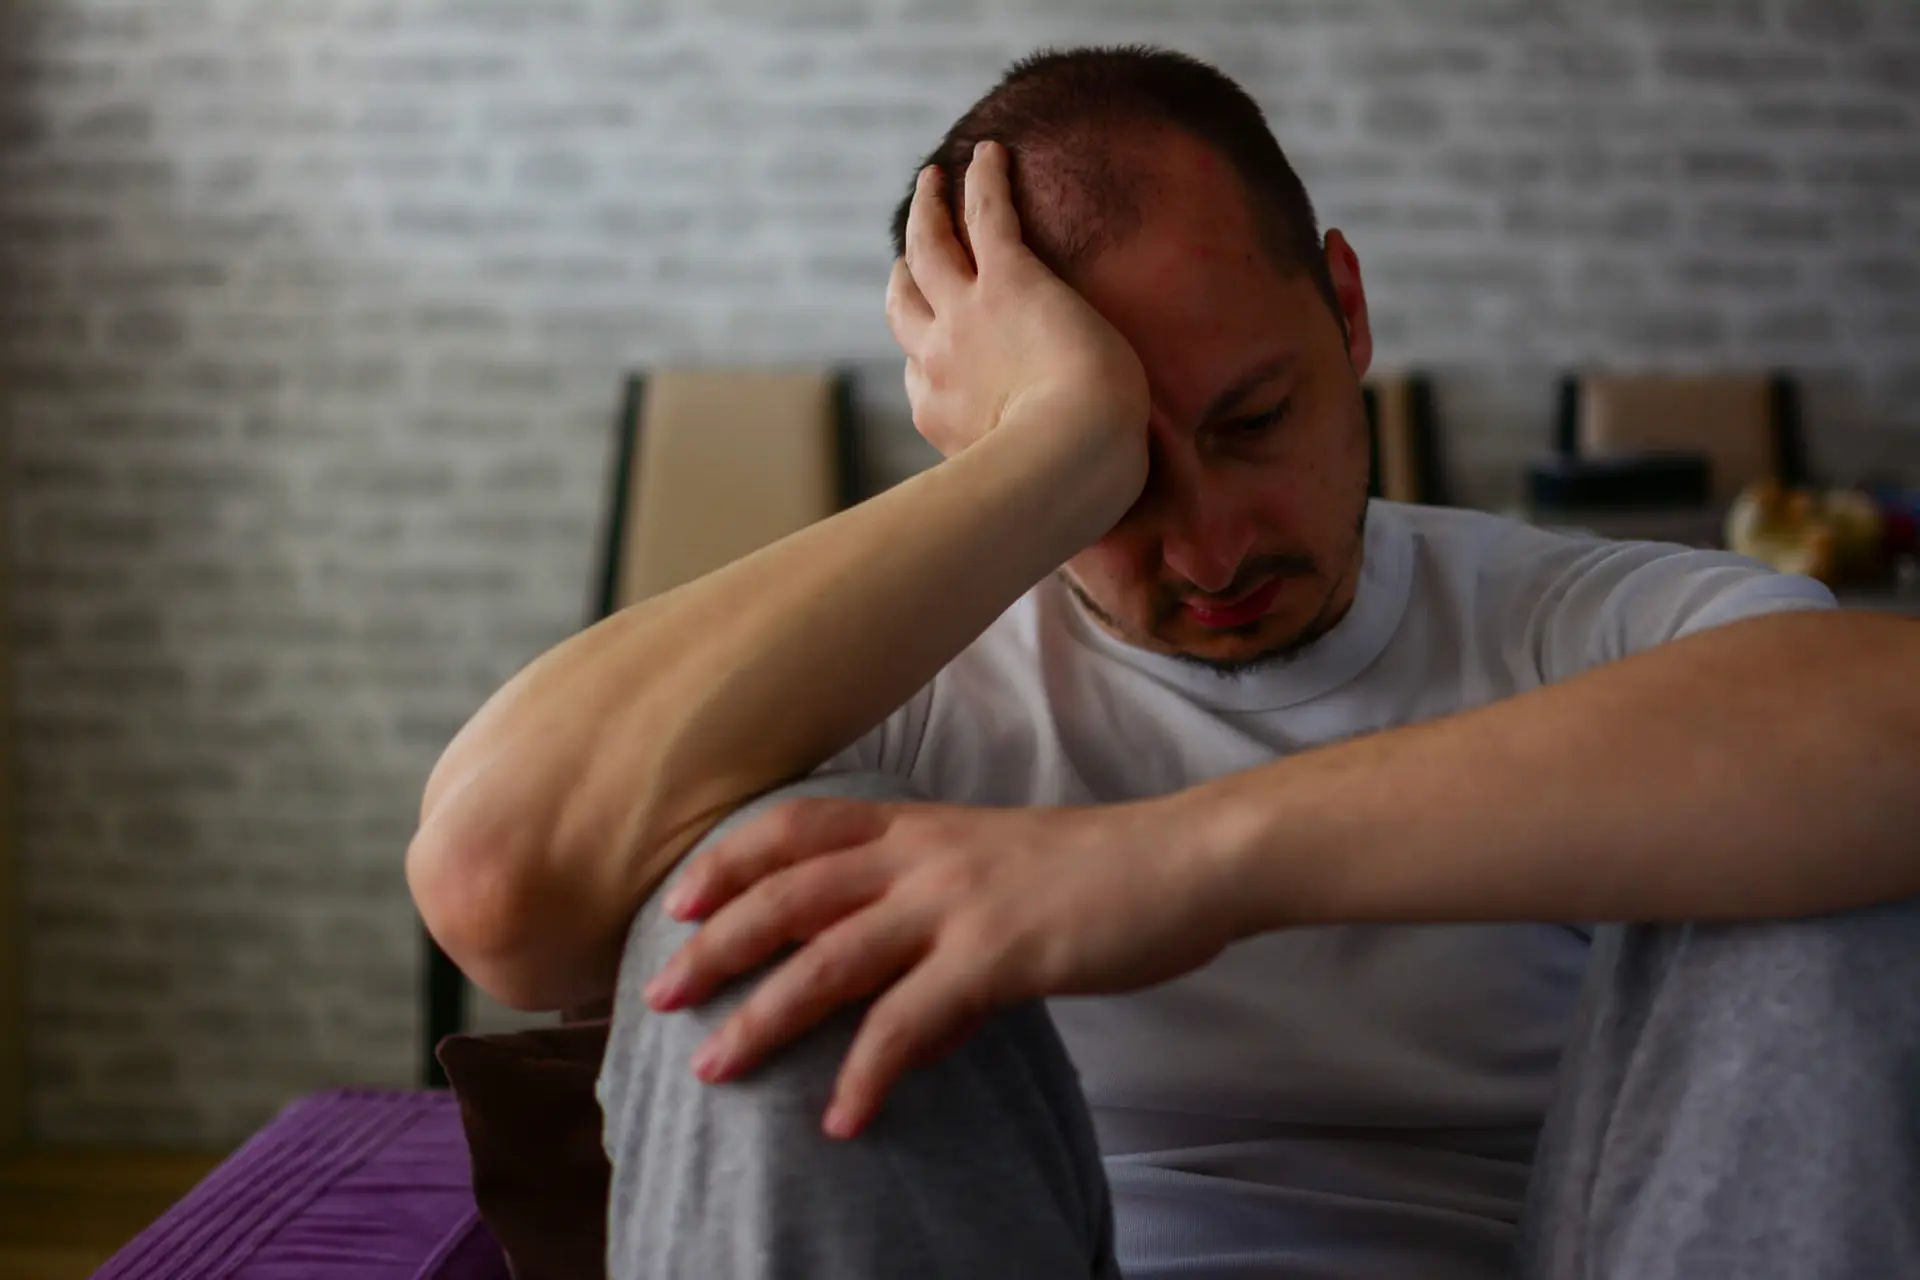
890	747
1612	599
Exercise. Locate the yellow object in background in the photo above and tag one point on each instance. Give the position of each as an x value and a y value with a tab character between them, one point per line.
1834	535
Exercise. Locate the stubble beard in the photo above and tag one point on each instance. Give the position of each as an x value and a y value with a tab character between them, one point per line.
1333	606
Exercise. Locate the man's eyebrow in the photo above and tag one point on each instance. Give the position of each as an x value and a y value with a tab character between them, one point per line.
1240	387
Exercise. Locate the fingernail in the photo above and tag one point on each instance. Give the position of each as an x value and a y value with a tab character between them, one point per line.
839	1122
710	1062
663	991
979	148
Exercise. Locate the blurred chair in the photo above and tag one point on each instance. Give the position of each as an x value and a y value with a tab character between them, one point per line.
1747	426
1407	461
13	922
709	465
712	464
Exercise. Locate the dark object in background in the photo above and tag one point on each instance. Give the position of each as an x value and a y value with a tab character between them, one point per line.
1640	481
1405	434
532	1121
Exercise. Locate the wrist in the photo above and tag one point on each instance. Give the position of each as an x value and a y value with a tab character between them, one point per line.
1265	853
1101	464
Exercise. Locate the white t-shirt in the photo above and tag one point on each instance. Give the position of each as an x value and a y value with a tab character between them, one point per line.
1327	1101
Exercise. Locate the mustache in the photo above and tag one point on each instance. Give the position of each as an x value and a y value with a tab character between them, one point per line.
1253	573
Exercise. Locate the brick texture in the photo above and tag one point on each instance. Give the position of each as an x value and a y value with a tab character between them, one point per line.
312	319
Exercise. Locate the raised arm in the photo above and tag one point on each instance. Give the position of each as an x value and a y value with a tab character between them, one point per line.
572	792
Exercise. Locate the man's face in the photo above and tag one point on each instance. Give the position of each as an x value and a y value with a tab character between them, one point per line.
1245	544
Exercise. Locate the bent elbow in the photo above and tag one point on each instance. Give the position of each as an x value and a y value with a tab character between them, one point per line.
477	909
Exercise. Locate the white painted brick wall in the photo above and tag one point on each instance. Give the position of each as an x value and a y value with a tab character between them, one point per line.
312	317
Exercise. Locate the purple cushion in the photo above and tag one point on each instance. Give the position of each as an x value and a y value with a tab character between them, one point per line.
349	1183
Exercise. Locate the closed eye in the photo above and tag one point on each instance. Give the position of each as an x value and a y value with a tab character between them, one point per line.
1254	426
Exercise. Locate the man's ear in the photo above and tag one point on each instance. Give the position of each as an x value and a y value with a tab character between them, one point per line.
1343	268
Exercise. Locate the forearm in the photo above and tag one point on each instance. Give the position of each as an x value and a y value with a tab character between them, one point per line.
582	781
1764	769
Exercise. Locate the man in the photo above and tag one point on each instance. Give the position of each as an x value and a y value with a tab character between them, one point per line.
1267	786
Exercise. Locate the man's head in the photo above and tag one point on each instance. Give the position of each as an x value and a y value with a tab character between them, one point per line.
1151	183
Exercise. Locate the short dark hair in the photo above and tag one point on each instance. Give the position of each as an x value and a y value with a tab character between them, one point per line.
1060	113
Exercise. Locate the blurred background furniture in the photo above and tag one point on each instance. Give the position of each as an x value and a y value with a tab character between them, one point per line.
1408	464
1662	456
13	993
1690	458
1746	425
346	1184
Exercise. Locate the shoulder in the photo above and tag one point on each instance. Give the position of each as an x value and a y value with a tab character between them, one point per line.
1501	555
1466	543
1564	600
1485	565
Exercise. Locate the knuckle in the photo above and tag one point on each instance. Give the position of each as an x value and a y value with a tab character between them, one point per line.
697	954
777	896
751	1021
965	933
790	819
746	934
787	900
828	968
953	878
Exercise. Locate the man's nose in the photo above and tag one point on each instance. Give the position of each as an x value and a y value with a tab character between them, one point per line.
1206	541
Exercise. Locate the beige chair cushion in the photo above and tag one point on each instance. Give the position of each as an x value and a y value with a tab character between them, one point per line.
727	461
1728	418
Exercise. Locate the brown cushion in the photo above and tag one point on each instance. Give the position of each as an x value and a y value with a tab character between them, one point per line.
1727	417
540	1175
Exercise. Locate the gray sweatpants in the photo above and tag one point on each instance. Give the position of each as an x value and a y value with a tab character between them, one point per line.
1735	1100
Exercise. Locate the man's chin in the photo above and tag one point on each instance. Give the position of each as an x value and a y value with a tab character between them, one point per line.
1235	650
1269	641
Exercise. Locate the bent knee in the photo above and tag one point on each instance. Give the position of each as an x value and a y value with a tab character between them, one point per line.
640	1037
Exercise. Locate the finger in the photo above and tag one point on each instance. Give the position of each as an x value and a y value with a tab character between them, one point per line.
921	1012
993	224
908	314
790	832
848	962
934	255
792	905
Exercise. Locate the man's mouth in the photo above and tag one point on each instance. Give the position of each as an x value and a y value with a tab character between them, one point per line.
1236	611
